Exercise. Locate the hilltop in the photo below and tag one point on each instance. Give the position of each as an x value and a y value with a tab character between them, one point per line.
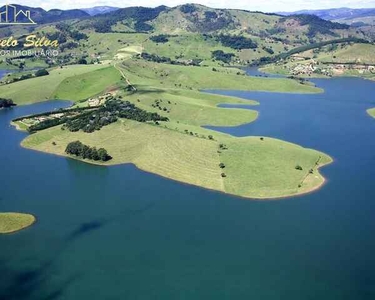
356	17
99	10
41	16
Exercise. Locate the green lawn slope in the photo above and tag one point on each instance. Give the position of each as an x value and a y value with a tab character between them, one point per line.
254	168
44	88
141	72
85	85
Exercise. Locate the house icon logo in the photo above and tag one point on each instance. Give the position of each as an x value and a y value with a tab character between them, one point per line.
10	15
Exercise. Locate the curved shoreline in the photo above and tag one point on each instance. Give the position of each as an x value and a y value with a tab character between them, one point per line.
253	198
314	185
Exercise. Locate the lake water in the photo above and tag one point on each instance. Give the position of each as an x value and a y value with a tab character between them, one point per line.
121	233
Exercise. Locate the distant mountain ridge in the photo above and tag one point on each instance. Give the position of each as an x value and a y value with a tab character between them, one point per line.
41	16
99	10
197	18
333	14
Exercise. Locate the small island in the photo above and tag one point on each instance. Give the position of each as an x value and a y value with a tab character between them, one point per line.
13	222
371	112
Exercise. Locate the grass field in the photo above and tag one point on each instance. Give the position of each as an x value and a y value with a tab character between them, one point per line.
86	85
44	88
106	45
194	108
78	82
254	168
12	222
182	149
187	46
371	112
360	53
171	76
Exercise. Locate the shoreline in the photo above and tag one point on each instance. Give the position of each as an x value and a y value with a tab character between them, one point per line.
297	192
252	198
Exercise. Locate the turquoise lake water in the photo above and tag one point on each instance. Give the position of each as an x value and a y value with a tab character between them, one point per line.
121	233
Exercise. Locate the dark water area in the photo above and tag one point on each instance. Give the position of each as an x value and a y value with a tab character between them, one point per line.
121	233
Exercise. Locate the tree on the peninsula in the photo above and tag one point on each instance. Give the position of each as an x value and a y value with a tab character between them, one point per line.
41	72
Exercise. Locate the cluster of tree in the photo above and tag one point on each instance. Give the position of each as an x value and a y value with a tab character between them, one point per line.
188	8
268	50
222	56
22	77
90	119
47	124
140	26
67	37
66	30
139	15
236	42
50	122
83	151
161	38
212	21
58	35
276	31
156	58
69	45
210	15
128	110
167	60
76	35
105	115
317	25
41	72
82	61
5	103
90	122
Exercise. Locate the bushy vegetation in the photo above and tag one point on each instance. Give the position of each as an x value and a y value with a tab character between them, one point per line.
65	32
140	15
268	50
317	25
90	119
51	122
188	8
156	58
236	42
222	56
41	72
83	151
4	103
161	38
167	60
